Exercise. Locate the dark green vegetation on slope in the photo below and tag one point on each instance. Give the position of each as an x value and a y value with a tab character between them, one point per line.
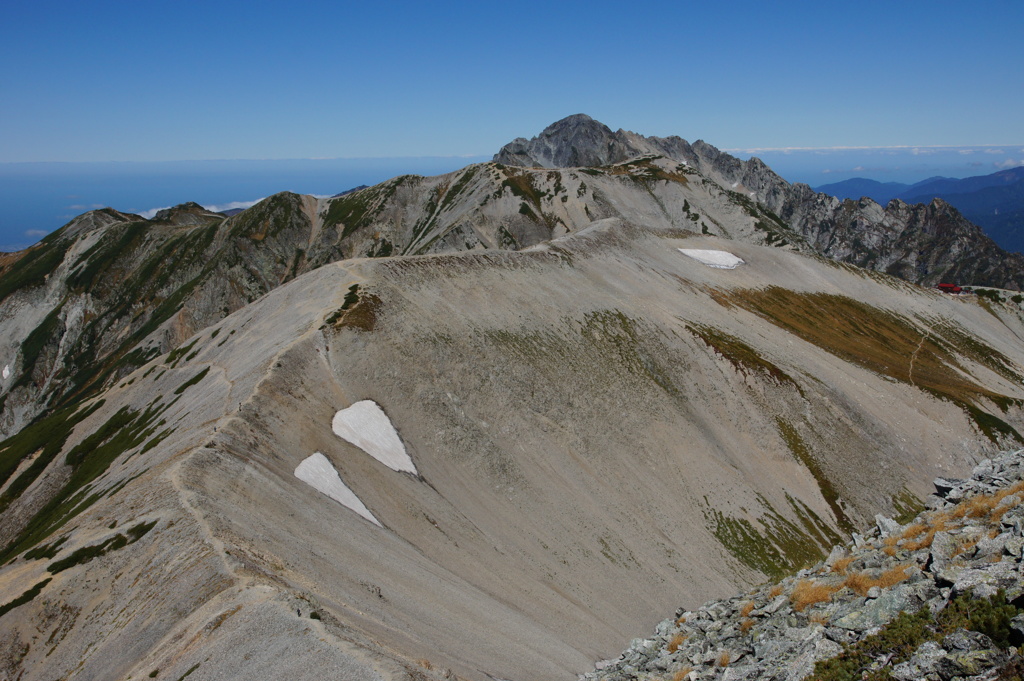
88	553
898	639
124	431
137	275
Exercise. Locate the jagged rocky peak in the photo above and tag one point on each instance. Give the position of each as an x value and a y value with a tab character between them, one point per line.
580	141
574	141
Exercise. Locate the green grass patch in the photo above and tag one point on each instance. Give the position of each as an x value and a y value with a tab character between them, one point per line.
780	546
189	672
41	336
800	451
32	268
743	357
124	431
88	553
109	251
46	550
907	506
45	436
174	356
192	381
24	598
359	209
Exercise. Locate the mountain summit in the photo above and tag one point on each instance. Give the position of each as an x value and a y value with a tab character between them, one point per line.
580	141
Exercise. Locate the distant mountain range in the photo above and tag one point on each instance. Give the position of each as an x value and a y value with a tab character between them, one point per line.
994	202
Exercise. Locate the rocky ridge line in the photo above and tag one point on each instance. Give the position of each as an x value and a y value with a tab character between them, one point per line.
967	546
921	243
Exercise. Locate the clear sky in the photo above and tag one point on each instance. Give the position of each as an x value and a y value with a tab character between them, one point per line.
158	81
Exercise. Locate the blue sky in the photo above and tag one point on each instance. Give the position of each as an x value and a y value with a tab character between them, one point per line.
161	81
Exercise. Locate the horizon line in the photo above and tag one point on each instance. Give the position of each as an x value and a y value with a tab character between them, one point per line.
229	160
880	147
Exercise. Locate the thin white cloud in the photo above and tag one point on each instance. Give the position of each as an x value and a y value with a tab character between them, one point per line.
215	207
148	214
221	207
1009	163
966	152
36	233
994	151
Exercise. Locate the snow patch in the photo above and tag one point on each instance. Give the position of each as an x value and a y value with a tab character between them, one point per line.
720	259
7	371
317	472
365	425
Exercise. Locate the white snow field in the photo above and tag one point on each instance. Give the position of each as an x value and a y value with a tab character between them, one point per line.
365	425
317	472
720	259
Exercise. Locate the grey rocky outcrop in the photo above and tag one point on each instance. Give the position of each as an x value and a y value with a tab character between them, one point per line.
780	631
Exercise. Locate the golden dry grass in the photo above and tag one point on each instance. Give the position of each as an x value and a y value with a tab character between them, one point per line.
893	576
861	582
937	523
746	624
682	674
808	592
747	608
776	591
676	641
985	505
724	658
914	530
876	339
840	566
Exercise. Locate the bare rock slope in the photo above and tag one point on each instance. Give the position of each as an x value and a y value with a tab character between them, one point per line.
598	411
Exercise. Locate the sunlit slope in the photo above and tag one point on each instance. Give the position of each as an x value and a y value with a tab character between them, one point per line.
597	426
